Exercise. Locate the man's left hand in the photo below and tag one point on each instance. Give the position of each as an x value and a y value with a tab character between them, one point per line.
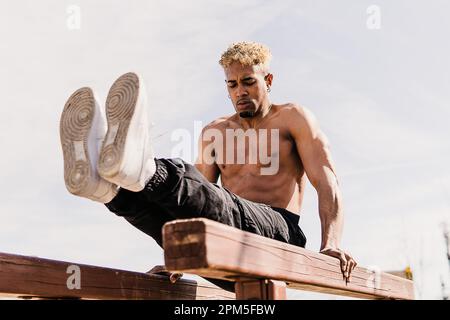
347	261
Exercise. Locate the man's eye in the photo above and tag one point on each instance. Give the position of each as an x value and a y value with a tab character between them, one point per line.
231	85
249	83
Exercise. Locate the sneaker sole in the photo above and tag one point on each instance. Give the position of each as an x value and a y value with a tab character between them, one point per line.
75	125
120	107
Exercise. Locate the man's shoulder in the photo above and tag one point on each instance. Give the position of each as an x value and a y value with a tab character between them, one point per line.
299	119
294	111
219	123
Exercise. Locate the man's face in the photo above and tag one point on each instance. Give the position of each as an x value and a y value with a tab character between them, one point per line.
247	88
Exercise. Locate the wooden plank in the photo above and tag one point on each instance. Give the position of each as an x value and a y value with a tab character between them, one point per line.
215	250
27	277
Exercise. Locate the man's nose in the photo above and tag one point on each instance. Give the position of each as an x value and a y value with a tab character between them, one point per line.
241	91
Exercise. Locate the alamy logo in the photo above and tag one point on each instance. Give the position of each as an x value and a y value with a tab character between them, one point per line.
73	21
374	279
374	17
74	280
231	146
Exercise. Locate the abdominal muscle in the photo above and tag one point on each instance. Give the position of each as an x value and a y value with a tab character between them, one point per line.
281	190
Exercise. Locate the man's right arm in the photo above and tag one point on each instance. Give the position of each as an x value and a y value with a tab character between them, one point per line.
205	162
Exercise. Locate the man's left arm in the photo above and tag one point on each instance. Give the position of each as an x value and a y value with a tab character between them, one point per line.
312	146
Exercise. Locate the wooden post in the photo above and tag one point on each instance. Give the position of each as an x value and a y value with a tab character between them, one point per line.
260	290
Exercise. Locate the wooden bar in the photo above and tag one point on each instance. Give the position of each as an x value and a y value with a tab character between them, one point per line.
211	249
31	277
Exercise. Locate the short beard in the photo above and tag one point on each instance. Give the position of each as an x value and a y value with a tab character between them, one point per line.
247	114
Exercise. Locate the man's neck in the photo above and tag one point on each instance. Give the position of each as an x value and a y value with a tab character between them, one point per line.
253	122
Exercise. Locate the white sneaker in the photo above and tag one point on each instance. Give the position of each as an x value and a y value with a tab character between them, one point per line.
126	158
82	129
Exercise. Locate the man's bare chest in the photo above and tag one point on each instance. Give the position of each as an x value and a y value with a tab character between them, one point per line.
262	149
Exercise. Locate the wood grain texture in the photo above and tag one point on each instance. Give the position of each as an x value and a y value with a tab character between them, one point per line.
29	277
208	248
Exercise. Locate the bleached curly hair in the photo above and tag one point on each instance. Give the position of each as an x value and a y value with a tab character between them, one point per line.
247	54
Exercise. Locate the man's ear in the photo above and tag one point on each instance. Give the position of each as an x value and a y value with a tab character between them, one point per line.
268	78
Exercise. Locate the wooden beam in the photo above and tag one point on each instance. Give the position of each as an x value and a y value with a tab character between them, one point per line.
31	277
215	250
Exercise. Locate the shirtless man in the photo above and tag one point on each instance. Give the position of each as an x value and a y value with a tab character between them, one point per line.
114	164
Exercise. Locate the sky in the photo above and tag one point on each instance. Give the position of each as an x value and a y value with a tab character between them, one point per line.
376	75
